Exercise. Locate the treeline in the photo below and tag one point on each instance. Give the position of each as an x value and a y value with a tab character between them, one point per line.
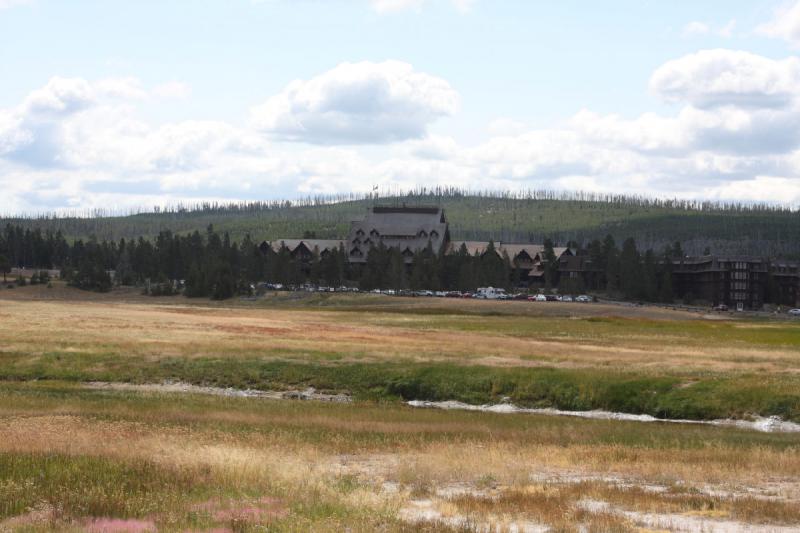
213	265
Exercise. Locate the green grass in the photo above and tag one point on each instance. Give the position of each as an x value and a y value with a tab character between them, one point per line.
663	396
106	477
606	329
91	486
365	426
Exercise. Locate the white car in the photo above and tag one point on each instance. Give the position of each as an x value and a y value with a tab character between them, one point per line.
583	298
566	298
794	312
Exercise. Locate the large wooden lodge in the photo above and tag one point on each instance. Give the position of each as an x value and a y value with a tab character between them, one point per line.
742	281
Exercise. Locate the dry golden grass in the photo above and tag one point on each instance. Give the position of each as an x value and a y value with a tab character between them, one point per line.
153	329
491	477
304	466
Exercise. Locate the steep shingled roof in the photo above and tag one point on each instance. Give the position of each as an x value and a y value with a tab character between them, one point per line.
397	227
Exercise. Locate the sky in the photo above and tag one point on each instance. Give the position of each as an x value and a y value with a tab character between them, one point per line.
120	105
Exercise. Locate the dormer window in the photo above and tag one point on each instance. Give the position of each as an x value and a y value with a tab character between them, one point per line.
407	252
368	242
434	234
374	233
356	252
422	233
360	233
356	241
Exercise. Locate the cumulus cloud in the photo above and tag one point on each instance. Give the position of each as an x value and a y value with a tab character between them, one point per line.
358	103
76	142
710	78
784	25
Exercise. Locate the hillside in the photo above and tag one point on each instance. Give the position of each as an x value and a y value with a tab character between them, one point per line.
723	228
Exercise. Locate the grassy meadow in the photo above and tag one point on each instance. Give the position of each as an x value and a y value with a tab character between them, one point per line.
73	457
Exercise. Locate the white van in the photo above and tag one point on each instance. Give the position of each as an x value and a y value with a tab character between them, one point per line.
490	293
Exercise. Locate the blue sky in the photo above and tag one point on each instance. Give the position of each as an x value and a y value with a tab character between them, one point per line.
122	104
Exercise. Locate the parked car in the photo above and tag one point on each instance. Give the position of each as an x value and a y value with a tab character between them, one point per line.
720	307
453	294
794	312
519	296
566	298
467	295
583	298
537	298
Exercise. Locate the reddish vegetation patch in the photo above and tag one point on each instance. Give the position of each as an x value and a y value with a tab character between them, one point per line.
259	330
117	525
264	509
42	514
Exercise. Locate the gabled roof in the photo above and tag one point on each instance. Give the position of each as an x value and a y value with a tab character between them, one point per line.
473	247
399	227
512	249
293	244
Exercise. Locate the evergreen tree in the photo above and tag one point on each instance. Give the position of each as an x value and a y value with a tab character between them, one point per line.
491	268
649	290
5	266
196	285
612	264
550	264
223	283
397	270
124	274
630	268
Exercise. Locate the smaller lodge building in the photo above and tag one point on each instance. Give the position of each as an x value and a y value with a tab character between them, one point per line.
736	281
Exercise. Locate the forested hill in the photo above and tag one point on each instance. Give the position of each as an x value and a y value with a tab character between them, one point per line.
529	217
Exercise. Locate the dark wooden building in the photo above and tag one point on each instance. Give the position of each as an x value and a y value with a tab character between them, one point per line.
784	284
408	229
736	281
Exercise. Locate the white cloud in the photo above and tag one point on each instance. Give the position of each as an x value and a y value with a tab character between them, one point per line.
506	126
784	25
81	143
464	6
396	6
393	6
696	28
728	29
61	96
129	88
711	78
7	4
172	90
357	103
